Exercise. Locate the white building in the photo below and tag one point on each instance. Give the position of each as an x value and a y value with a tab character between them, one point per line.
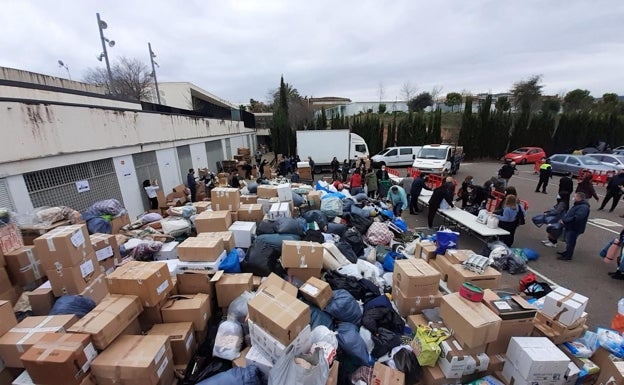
355	108
60	133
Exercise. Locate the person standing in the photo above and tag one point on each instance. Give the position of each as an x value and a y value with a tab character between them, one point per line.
371	183
262	166
151	189
335	165
383	181
545	173
614	191
506	172
235	182
398	198
566	185
574	223
191	184
463	194
406	183
416	188
508	218
355	183
587	187
619	273
258	156
442	193
312	164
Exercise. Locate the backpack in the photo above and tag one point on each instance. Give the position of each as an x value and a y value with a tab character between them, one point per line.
520	216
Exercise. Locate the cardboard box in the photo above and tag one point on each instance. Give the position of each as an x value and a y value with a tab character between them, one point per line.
415	277
59	358
522	327
266	191
193	308
415	305
302	254
249	199
332	379
250	213
564	305
7	317
457	275
557	332
456	256
10	238
118	222
200	249
231	286
97	289
266	204
272	348
24	379
41	299
196	281
225	198
425	250
211	221
512	375
317	292
168	251
416	319
181	338
136	360
5	282
201	206
303	275
150	281
64	247
255	356
278	313
108	319
442	265
239	362
611	370
284	192
24	266
314	199
456	362
279	210
12	295
26	333
474	323
75	279
226	236
275	280
105	246
535	359
385	375
243	233
151	315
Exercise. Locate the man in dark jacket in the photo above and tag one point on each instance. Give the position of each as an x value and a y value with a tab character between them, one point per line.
444	192
191	183
507	171
417	186
545	174
574	223
614	191
566	185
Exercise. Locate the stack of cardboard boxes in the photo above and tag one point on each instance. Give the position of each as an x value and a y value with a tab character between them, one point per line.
302	259
415	286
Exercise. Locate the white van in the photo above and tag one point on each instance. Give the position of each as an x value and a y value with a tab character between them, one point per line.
396	156
439	158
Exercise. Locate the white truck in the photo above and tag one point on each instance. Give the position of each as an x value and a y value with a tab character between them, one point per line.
324	145
439	158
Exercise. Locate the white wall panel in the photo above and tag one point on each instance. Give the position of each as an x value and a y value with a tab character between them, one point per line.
198	155
129	185
169	169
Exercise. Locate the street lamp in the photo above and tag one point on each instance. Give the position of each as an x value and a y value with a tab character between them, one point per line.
154	65
111	43
61	64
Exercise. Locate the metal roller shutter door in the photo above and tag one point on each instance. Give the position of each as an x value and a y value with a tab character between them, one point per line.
186	162
214	154
146	167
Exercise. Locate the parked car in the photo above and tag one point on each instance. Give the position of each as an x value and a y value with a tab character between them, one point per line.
571	164
524	155
396	156
618	152
610	160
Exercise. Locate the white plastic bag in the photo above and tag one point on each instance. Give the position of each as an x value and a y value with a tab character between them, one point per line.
368	339
482	217
287	370
492	222
228	341
238	307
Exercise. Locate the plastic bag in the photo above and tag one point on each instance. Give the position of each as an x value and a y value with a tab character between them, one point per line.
230	263
229	340
446	239
344	307
322	337
351	342
238	307
287	371
428	341
355	240
72	304
612	341
406	362
384	341
367	337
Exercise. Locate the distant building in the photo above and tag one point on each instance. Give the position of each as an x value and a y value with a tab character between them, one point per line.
355	108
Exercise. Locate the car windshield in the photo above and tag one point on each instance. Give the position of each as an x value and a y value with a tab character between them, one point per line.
383	151
521	151
432	153
589	160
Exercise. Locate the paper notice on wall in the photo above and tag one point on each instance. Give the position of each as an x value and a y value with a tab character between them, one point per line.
82	186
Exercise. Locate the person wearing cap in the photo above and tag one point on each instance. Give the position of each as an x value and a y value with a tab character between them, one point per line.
398	198
545	173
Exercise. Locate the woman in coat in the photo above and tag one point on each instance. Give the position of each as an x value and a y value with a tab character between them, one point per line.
371	183
587	187
508	218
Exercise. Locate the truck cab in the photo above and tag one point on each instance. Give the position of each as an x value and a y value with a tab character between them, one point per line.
439	158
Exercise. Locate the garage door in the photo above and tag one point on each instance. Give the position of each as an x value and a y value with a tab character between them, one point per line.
77	186
214	154
186	162
5	196
146	167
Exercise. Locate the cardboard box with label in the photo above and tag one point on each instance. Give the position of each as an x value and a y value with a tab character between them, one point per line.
41	299
415	277
63	357
211	221
73	280
302	254
135	360
425	250
250	213
414	305
181	337
473	322
200	249
105	246
118	222
196	281
385	375
249	199
97	289
193	308
564	305
26	333
534	359
455	362
225	198
275	280
272	348
266	191
150	281
231	286
517	319
457	275
280	210
278	313
168	251
109	319
24	266
317	292
243	233
227	237
64	247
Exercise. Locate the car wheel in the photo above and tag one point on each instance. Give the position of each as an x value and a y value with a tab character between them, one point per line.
523	161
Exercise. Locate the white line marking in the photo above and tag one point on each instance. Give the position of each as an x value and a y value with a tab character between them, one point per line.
543	277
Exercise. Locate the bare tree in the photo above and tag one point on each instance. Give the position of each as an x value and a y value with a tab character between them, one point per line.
408	91
435	92
381	92
131	79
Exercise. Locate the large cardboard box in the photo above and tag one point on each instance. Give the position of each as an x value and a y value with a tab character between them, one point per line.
200	249
10	238
135	360
536	359
317	292
275	280
272	348
105	246
250	213
302	254
231	286
109	319
74	279
41	299
60	358
24	266
5	282
150	281
26	333
564	305
193	308
225	198
64	247
181	337
226	236
517	319
196	281
266	191
97	289
211	221
243	233
611	369
284	192
168	251
415	277
385	375
278	313
415	305
457	275
474	323
249	199
425	250
7	317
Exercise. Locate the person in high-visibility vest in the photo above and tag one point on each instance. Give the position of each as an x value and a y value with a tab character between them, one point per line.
544	175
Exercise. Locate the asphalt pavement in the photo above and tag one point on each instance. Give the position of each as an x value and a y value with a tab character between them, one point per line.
586	274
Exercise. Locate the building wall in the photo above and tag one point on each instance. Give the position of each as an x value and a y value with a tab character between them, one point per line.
176	95
16	75
128	183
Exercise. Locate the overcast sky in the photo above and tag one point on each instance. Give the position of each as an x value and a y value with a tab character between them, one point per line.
238	49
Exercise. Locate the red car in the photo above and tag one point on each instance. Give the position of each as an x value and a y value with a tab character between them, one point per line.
524	155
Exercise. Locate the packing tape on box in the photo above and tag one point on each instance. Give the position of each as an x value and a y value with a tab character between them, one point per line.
471	292
41	328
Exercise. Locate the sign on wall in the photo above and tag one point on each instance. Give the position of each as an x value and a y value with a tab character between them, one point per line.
82	186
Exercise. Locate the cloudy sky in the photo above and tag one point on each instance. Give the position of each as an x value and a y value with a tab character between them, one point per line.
238	49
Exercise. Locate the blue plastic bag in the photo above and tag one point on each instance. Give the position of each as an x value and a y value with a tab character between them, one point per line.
388	262
400	223
231	264
446	239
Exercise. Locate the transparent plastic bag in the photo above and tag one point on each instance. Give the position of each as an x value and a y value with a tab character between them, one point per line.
229	340
238	307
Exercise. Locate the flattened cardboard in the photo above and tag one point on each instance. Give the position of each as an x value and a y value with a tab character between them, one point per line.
150	281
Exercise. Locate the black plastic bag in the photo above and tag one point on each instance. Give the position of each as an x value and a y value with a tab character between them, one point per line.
266	227
314	236
360	223
316	216
347	250
72	304
336	228
355	239
385	340
262	260
406	362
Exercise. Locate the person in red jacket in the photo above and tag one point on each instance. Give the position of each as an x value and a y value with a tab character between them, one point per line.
356	183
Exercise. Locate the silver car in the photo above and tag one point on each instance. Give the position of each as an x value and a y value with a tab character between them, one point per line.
610	160
571	164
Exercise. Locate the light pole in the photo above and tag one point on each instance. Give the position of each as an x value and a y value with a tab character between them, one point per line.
152	56
102	26
61	64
